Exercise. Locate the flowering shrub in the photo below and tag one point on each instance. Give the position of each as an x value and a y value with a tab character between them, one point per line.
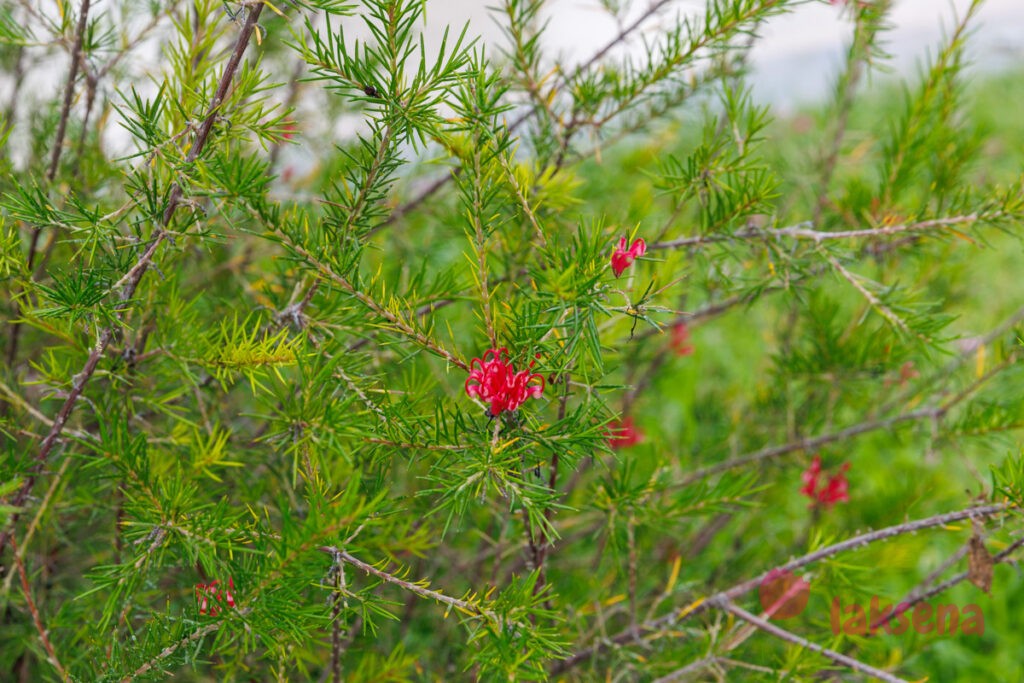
298	296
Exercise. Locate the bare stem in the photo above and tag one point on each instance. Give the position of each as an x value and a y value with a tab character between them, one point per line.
806	231
790	637
419	589
51	655
701	605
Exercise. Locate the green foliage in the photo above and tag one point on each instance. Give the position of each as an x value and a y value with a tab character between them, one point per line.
245	287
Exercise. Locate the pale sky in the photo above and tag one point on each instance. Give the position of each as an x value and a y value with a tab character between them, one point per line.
799	53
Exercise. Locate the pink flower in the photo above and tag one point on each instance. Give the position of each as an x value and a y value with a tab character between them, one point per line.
209	597
493	381
680	342
623	433
835	490
622	258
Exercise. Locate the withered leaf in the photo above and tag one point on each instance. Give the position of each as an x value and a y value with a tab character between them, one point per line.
979	564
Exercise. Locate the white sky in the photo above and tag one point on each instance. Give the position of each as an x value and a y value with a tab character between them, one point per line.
799	53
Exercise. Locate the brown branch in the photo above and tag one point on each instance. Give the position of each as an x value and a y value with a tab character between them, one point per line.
51	173
69	94
793	638
807	444
170	650
462	605
806	231
399	325
133	277
701	605
915	596
51	655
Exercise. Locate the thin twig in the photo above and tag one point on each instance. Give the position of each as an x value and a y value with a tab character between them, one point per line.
51	655
170	650
790	637
51	173
810	443
701	605
399	324
806	231
69	94
462	605
916	596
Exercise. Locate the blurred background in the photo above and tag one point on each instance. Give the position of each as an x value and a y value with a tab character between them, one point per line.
799	54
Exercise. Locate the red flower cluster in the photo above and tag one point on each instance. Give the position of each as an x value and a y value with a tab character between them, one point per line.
680	342
835	490
209	597
495	382
622	257
623	433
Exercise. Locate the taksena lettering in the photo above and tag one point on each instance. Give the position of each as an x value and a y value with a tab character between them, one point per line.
852	619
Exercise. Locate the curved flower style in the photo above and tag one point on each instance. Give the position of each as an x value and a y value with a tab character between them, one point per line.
209	597
492	380
622	257
836	490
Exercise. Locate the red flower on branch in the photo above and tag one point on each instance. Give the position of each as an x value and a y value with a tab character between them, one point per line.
493	380
623	433
210	599
680	342
835	490
622	257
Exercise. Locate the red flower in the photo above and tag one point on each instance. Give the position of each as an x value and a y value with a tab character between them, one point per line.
680	342
495	382
835	490
623	433
209	597
622	257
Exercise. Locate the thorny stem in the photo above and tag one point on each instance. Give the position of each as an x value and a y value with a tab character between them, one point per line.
133	277
701	605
